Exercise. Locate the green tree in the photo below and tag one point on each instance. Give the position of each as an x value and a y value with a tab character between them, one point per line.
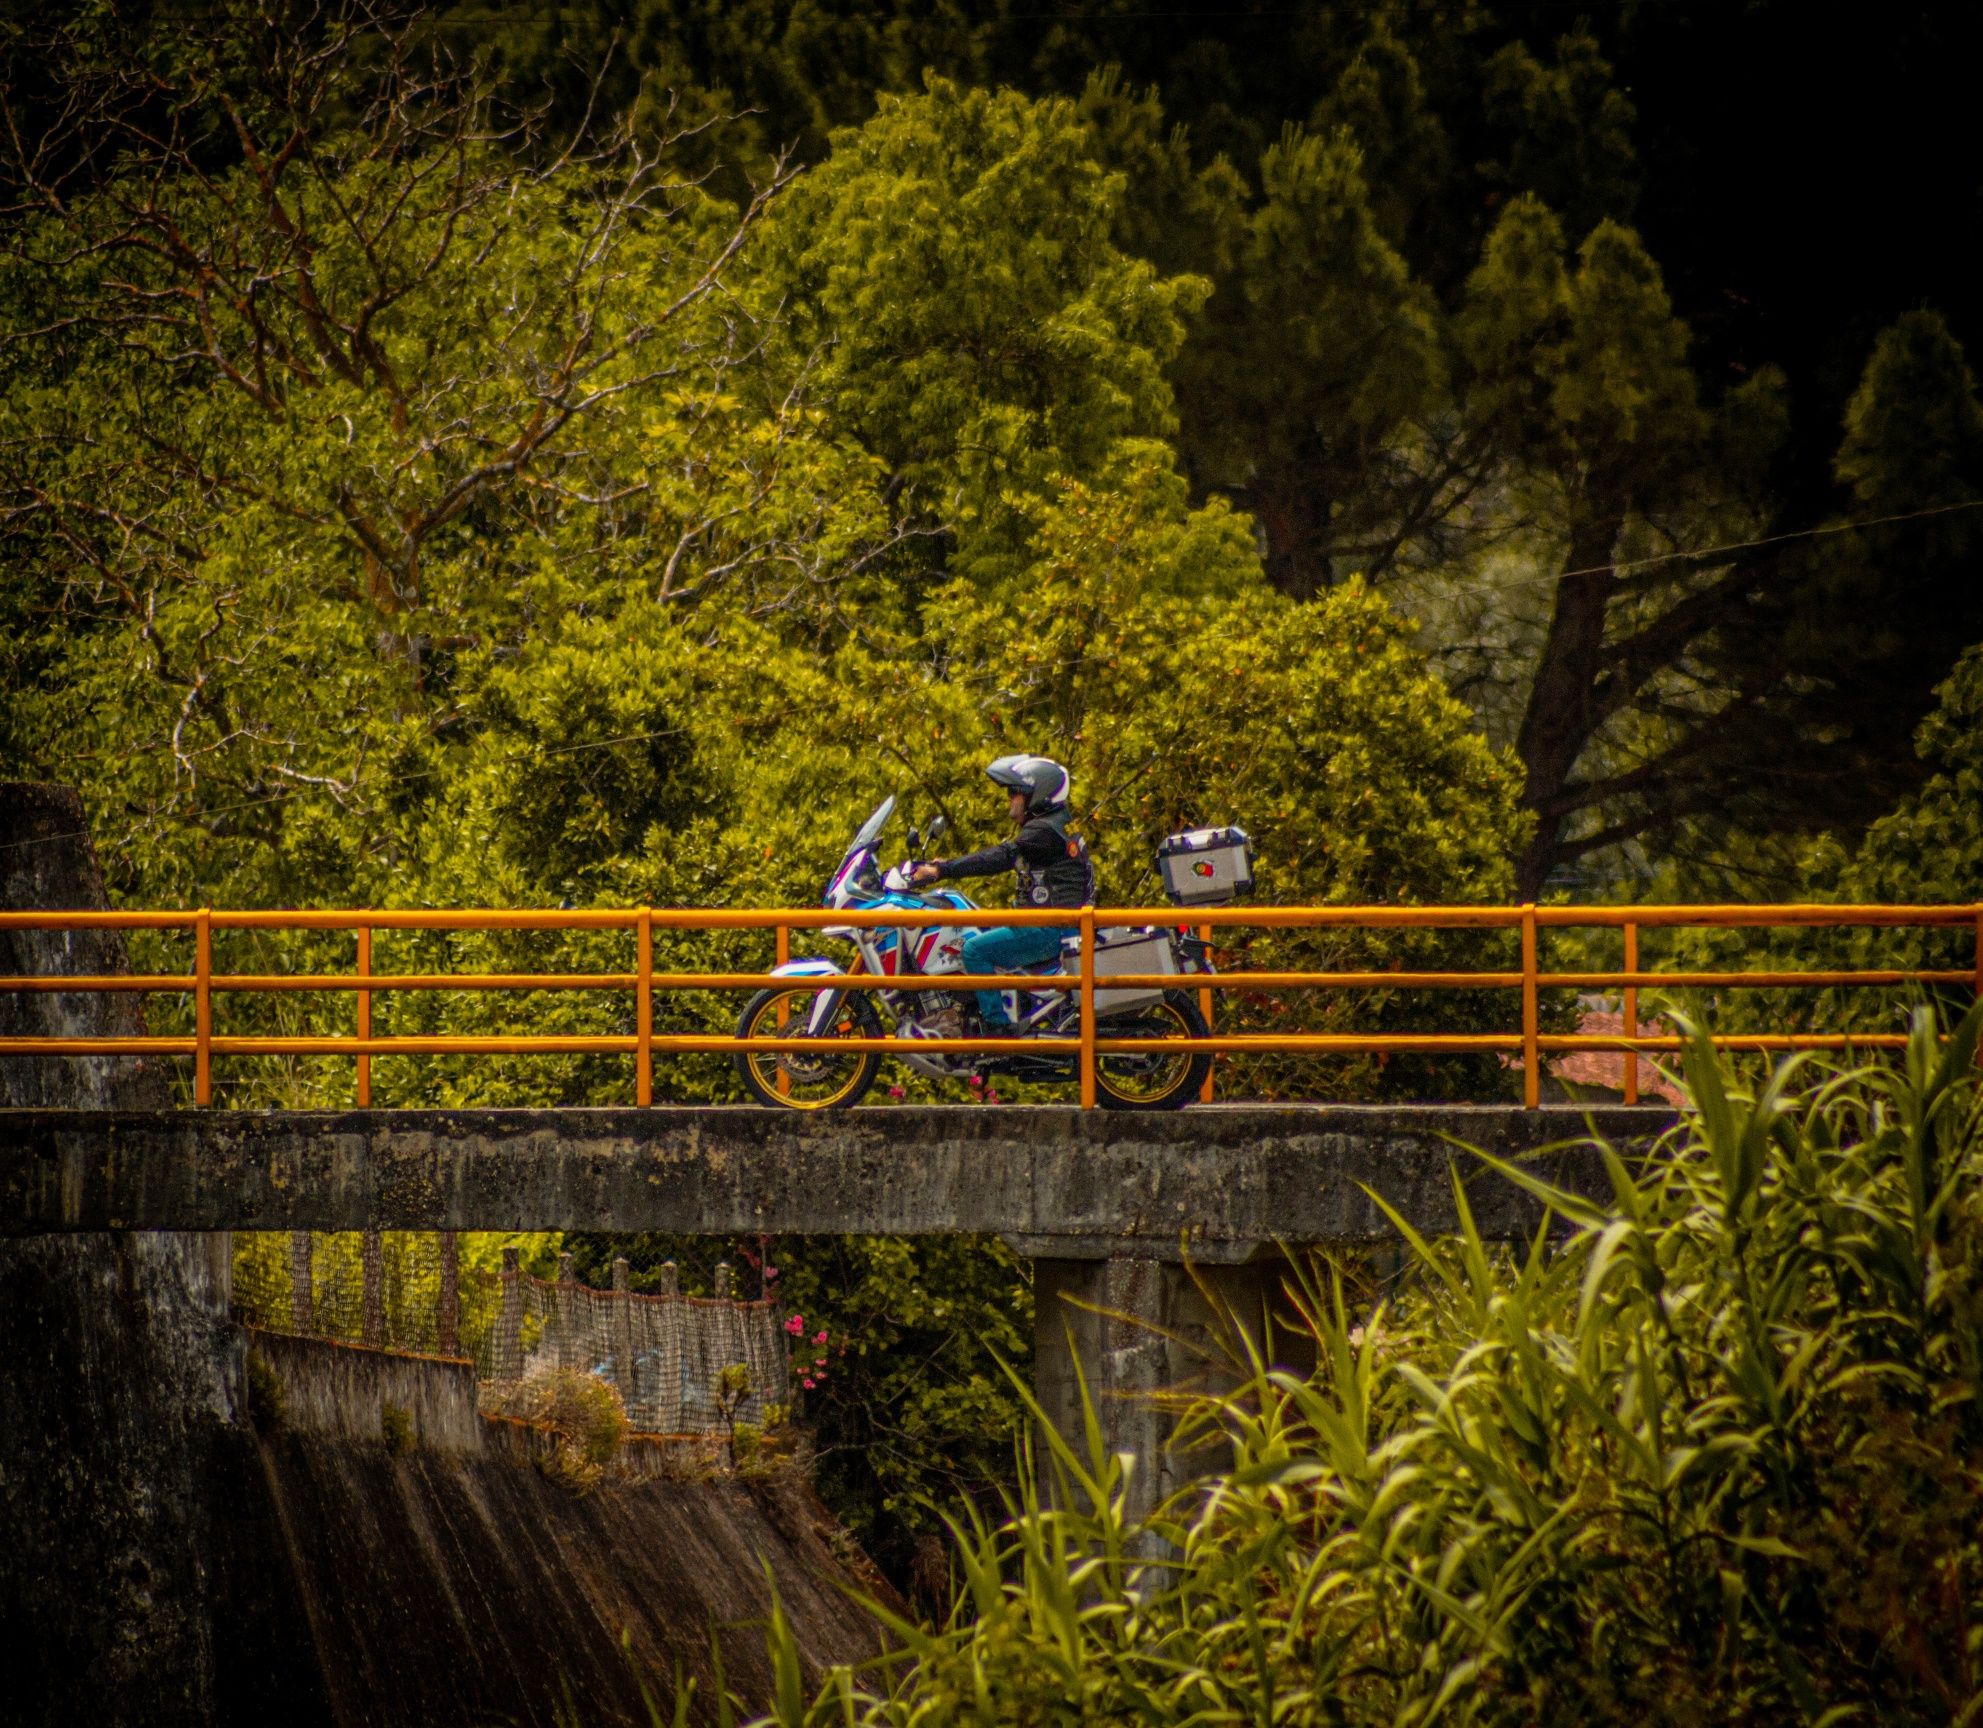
1314	366
952	269
1586	373
1927	850
1568	128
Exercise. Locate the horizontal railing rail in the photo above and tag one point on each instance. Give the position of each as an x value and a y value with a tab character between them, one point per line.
1527	1041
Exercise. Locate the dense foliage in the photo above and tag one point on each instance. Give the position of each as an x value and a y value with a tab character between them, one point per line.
1703	1452
407	519
436	479
1341	178
300	314
1928	850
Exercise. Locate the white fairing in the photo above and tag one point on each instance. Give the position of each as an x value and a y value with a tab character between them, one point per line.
857	862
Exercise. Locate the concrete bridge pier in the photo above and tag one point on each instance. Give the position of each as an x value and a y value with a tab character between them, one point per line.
1142	1337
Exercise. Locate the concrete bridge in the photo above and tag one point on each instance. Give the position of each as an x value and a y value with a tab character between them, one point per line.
1138	1224
1146	1232
1215	1183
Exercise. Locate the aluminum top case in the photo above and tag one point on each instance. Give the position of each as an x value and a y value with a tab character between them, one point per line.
1207	866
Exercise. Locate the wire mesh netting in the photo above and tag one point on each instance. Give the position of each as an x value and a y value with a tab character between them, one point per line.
381	1288
664	1353
415	1291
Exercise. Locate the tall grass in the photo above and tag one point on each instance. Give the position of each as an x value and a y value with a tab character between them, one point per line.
1707	1452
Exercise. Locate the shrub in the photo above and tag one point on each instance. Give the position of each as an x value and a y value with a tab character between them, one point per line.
396	1429
1704	1452
581	1413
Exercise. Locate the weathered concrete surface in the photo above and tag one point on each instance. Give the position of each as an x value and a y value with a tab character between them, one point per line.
121	1371
1061	1183
1134	1339
449	1591
451	1583
343	1390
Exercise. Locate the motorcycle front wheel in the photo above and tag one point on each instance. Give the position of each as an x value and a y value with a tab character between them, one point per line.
807	1079
1154	1080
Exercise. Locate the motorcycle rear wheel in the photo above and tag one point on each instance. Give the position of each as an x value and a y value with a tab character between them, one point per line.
811	1079
1163	1080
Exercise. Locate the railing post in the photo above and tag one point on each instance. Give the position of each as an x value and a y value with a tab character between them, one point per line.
1531	1052
302	1295
623	1371
447	1329
1087	1007
203	1007
506	1348
780	955
1205	1001
1631	1027
364	1017
644	1009
670	1394
566	1306
372	1263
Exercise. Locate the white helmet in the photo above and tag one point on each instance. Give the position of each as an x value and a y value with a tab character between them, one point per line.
1043	780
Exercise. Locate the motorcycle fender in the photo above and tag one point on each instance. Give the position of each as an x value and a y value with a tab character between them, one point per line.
826	1004
825	1010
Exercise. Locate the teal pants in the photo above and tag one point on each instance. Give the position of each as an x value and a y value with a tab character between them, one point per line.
1004	951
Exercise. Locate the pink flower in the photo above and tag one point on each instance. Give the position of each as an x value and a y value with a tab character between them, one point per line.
770	1274
819	1337
796	1325
807	1384
898	1092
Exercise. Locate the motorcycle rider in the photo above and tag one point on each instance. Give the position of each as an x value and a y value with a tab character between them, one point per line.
1052	865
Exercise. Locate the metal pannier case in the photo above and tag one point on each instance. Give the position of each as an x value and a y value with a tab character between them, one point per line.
1207	866
1119	953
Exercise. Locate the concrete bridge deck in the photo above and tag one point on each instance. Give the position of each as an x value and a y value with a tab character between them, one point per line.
1220	1180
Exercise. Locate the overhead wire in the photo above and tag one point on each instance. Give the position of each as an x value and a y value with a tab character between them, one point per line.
1706	554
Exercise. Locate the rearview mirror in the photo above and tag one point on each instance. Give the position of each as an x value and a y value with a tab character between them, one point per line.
915	841
936	827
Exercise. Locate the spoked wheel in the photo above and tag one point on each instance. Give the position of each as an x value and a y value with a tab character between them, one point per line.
807	1079
1158	1079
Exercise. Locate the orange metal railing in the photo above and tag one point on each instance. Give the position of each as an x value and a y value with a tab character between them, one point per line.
1528	1043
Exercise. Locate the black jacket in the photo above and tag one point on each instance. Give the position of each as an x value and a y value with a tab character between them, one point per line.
1053	865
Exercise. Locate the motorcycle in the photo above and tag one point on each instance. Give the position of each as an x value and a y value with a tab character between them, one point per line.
830	1080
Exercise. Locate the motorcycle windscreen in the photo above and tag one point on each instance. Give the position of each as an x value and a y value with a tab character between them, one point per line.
872	827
